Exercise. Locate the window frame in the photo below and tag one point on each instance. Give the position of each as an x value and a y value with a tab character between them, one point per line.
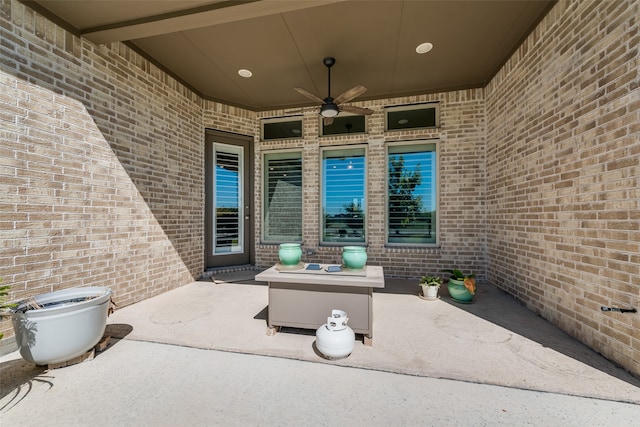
431	141
321	204
284	119
343	115
412	107
263	186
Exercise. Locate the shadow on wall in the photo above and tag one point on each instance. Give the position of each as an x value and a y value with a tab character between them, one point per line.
87	123
98	220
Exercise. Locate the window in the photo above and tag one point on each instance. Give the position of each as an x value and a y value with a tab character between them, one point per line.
282	209
228	192
412	201
412	116
345	124
281	128
343	195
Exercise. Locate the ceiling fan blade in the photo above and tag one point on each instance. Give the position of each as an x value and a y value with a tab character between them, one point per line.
327	121
350	94
356	110
309	95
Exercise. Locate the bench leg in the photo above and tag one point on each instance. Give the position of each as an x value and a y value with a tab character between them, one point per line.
271	331
368	341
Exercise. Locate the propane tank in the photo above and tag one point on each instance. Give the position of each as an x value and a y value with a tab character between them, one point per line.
335	340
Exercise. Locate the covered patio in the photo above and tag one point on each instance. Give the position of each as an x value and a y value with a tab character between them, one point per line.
105	168
499	362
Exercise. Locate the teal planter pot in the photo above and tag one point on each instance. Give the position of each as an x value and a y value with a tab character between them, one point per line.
459	292
290	254
354	257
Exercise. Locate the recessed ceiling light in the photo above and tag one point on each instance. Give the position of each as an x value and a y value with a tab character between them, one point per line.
424	48
403	121
296	131
245	73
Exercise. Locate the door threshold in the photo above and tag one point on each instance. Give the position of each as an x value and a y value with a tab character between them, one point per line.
227	269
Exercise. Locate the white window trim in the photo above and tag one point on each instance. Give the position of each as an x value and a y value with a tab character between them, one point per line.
235	149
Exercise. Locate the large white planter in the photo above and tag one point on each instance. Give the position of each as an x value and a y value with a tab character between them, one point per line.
69	324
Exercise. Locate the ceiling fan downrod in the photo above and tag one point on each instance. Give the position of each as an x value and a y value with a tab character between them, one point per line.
329	62
329	108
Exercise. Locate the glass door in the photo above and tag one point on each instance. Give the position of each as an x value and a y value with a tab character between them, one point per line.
229	213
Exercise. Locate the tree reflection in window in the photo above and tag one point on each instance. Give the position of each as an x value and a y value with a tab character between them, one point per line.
412	194
343	195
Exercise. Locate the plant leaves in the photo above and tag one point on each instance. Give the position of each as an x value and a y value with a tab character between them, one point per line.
470	284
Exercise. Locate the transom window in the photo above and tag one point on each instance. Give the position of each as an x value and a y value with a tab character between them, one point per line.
412	202
411	116
281	128
343	195
282	206
344	124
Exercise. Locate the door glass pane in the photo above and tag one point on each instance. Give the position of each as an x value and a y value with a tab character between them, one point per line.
343	195
283	197
228	222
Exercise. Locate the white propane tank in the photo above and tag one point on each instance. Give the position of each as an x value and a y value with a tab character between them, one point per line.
335	339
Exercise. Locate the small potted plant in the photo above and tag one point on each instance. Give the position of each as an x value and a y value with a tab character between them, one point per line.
461	286
430	286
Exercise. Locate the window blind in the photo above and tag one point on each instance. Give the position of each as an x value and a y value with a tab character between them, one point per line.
283	197
343	195
412	191
228	204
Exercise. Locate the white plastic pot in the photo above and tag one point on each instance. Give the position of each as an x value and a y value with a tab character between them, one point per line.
430	292
69	324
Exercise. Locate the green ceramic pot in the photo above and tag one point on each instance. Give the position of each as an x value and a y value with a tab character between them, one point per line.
354	257
459	292
290	254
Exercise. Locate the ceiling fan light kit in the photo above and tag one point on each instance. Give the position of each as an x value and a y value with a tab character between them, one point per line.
331	107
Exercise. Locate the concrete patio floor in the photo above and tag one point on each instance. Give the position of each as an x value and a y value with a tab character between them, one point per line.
200	355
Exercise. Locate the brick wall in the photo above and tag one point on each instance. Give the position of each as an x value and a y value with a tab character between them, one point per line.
101	161
152	130
563	174
460	139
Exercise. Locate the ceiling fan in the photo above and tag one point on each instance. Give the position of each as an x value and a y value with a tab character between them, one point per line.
331	107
